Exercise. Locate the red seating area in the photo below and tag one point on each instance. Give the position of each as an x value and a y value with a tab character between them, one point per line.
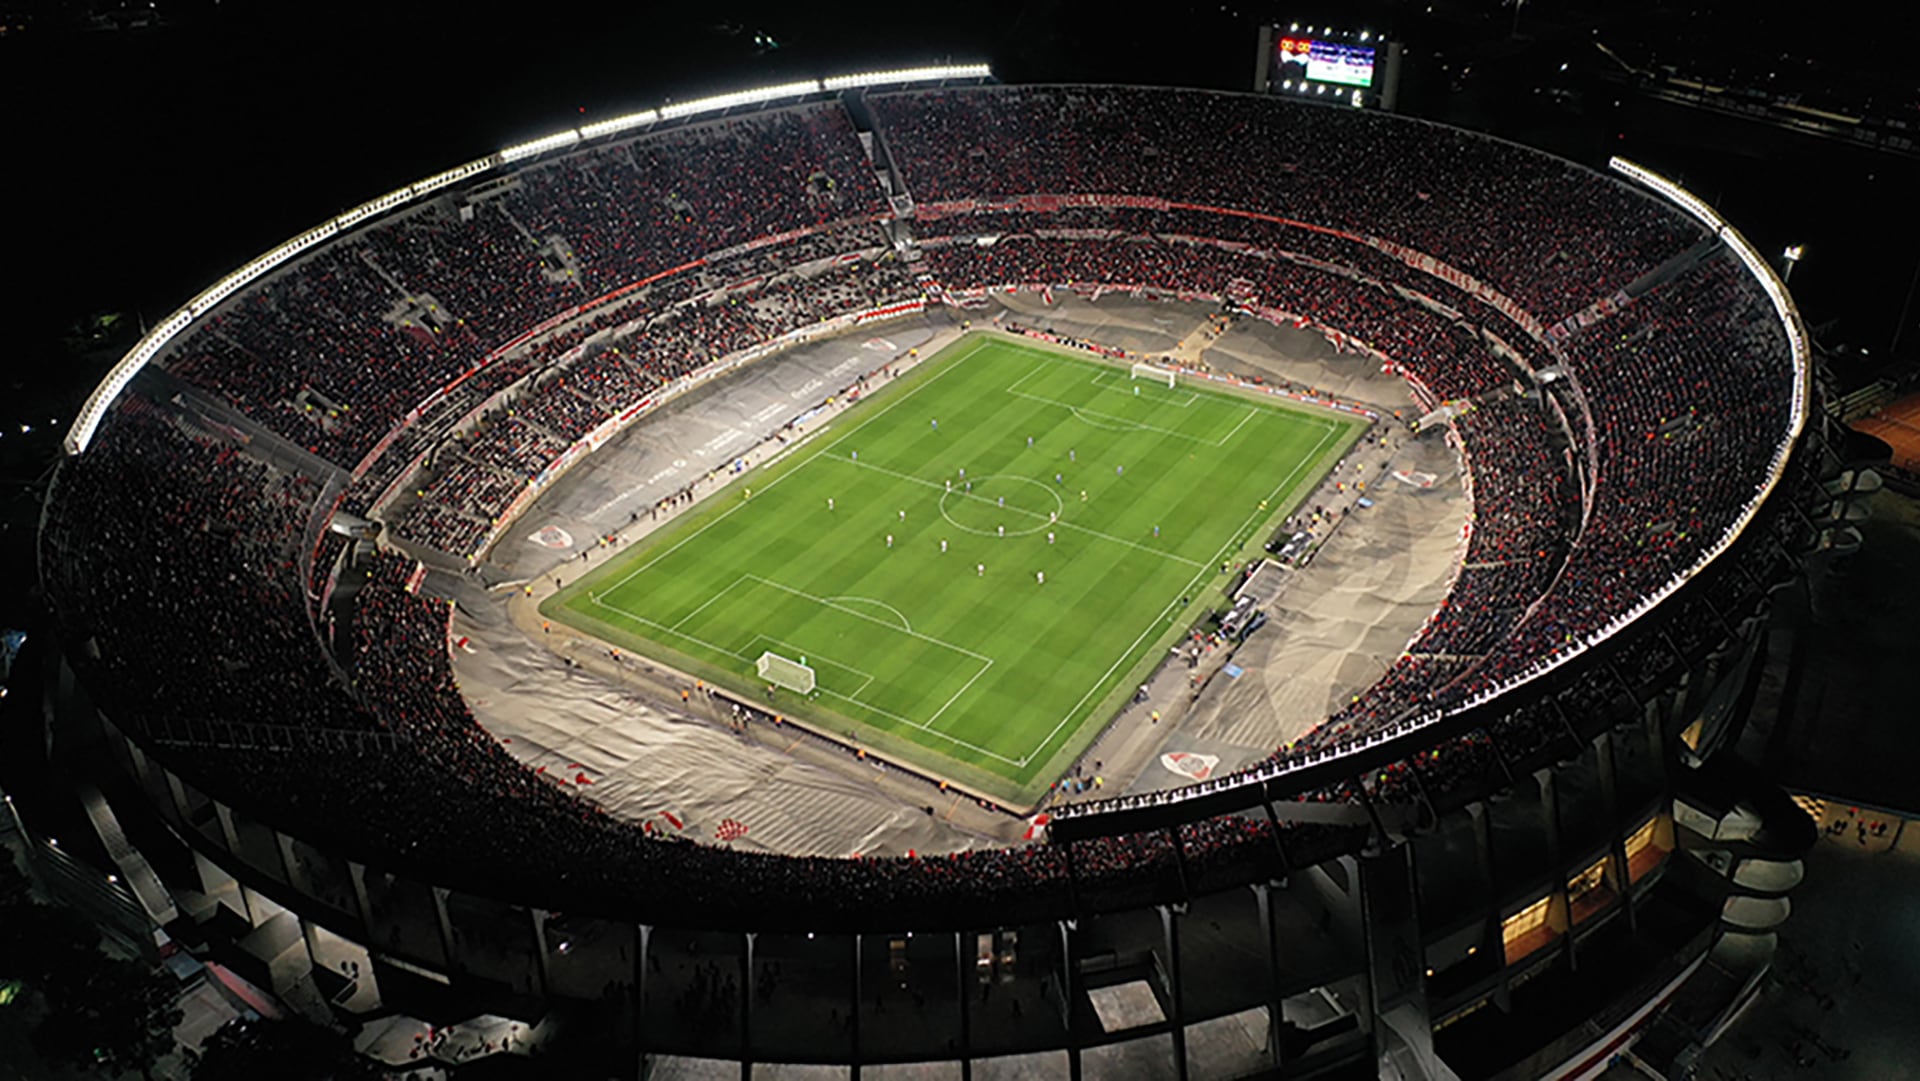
312	354
182	551
1548	234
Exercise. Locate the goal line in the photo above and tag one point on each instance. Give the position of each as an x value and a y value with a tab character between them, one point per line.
1155	372
785	672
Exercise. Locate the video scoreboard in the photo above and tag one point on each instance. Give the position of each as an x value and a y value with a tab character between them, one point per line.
1329	64
1313	60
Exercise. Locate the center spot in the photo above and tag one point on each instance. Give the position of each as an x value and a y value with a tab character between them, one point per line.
1020	504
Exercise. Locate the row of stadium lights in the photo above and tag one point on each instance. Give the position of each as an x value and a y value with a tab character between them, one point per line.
122	373
1797	342
1365	35
1320	88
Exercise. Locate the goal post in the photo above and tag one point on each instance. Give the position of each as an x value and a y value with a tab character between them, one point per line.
1155	372
785	672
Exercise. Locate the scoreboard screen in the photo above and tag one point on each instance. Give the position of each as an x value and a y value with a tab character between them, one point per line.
1338	62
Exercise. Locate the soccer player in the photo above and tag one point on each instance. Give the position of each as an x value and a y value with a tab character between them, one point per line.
854	454
1049	536
936	423
1057	480
1156	531
829	502
1136	390
889	540
1119	469
1029	441
1001	501
949	484
903	517
1040	577
963	472
1071	456
943	545
1002	529
1083	495
980	569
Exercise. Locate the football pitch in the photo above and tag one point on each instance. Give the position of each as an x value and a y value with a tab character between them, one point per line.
900	552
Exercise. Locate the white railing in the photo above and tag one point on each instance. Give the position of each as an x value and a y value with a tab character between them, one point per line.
1795	330
94	409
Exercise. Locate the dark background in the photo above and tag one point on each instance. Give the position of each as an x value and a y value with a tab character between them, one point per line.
150	149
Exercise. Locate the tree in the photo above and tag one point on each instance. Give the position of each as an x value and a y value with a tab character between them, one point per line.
295	1049
109	1015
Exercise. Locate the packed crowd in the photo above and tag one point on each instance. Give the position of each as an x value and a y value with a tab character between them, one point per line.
1451	356
1523	519
180	554
452	790
334	351
179	558
1549	234
1231	230
1687	403
479	473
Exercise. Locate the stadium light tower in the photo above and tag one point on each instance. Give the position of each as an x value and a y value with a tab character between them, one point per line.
1792	256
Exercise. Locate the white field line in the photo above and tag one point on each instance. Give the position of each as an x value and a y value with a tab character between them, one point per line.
1103	379
1062	523
717	594
594	597
898	614
956	696
976	748
826	602
1186	592
1237	427
877	414
1123	423
598	603
803	651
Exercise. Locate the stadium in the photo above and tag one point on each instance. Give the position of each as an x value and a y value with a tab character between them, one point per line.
533	586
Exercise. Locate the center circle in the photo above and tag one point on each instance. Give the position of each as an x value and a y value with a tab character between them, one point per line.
1020	505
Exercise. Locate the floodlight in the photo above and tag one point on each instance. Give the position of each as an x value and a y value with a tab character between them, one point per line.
1793	253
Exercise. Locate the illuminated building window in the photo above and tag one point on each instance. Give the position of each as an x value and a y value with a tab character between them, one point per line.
1589	892
1647	848
1527	930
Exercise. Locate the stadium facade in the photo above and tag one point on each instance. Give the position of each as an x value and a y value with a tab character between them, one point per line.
1521	854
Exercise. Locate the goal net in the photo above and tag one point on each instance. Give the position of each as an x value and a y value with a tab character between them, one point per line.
784	672
1154	372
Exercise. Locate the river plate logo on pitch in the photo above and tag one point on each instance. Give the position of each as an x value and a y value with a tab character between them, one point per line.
1188	764
552	536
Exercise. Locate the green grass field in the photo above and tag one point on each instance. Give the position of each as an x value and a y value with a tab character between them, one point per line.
942	648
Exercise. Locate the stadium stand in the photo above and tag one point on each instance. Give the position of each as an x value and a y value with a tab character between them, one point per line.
164	528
